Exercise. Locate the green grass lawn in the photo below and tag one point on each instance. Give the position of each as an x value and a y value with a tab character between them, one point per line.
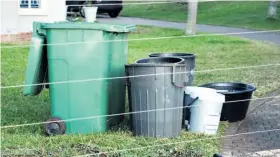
237	14
212	52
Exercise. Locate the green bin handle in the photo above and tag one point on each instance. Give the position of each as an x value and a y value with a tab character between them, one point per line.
37	28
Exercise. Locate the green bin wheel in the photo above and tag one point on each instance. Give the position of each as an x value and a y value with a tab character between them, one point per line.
54	126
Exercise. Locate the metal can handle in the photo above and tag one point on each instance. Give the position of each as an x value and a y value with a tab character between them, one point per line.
174	78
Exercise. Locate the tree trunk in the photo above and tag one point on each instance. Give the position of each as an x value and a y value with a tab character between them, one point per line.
192	15
272	9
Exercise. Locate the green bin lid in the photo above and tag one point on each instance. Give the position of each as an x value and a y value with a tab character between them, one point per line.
37	65
88	25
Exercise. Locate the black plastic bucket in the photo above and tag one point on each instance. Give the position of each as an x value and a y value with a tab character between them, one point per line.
233	111
189	61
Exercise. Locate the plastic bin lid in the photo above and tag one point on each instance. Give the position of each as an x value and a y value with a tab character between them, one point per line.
36	67
88	25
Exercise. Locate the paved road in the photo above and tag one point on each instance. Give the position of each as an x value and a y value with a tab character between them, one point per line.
262	144
273	37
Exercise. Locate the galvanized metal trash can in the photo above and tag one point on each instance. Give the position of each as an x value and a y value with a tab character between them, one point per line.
190	66
155	91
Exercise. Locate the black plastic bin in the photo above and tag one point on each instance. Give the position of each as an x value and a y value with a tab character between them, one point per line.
233	111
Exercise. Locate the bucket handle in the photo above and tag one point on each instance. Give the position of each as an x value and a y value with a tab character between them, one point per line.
188	106
174	78
193	101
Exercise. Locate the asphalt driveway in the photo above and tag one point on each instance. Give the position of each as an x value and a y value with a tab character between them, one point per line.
273	37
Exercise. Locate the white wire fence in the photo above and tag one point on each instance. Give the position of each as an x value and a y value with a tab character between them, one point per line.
126	3
125	77
149	2
177	143
141	39
171	143
147	39
127	113
135	76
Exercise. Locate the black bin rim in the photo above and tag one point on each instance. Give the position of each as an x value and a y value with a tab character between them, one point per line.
247	87
175	54
179	62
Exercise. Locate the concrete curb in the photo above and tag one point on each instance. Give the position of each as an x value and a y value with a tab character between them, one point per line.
226	143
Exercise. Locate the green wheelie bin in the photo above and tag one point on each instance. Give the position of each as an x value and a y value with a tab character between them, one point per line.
75	61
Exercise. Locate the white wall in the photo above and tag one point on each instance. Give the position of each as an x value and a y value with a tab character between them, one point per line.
9	16
57	10
14	22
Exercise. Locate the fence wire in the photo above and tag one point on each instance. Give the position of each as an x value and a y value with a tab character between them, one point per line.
135	76
143	39
126	113
182	142
260	153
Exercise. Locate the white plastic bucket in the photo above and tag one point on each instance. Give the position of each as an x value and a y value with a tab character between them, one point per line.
188	99
90	13
205	112
191	89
